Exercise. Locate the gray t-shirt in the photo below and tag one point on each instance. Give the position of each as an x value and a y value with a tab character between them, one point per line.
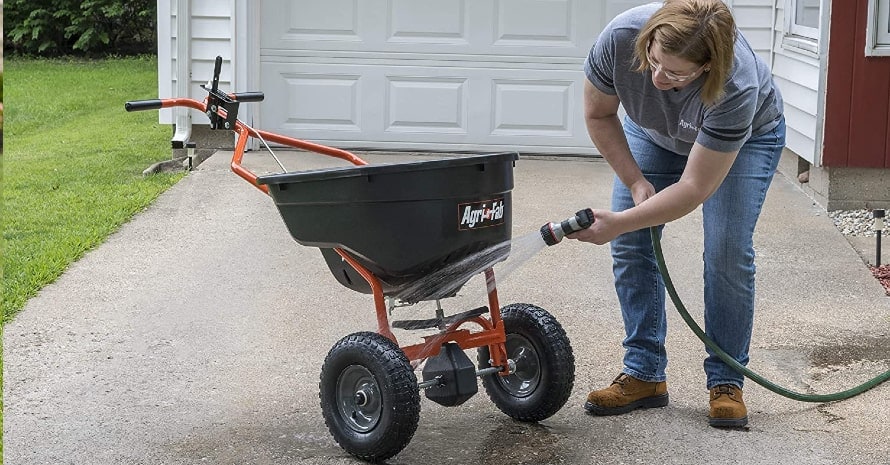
675	119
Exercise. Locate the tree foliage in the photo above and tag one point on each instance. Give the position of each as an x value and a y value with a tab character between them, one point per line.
84	27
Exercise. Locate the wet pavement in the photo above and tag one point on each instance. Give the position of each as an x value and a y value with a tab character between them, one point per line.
197	333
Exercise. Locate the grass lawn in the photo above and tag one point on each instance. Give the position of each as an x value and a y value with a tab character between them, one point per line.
72	168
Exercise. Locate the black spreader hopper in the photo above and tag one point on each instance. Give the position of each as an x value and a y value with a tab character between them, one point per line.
400	221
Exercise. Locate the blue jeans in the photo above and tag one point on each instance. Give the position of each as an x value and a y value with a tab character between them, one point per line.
729	217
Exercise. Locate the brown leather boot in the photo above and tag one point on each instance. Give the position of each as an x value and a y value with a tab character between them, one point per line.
727	407
626	393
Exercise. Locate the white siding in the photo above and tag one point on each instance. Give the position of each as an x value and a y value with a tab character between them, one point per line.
798	77
212	28
754	19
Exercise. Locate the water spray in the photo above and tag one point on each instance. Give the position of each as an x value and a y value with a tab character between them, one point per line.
552	233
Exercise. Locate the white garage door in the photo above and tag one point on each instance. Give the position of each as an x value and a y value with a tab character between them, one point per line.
445	75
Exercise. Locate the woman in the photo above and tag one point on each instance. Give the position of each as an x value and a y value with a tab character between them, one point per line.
704	126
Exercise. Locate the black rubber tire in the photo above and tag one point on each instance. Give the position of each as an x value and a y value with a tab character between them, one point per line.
545	371
380	418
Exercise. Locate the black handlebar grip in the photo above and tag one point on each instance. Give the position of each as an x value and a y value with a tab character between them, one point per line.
139	105
249	96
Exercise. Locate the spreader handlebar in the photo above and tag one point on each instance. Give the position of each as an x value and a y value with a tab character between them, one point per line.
222	110
139	105
157	104
248	96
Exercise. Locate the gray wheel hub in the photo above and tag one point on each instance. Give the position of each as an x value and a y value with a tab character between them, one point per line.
523	381
358	398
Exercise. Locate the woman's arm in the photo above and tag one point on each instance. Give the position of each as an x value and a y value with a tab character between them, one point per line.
604	128
702	176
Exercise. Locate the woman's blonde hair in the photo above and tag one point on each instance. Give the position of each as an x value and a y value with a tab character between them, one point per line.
699	31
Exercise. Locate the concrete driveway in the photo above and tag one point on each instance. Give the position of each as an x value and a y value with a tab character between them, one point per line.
196	334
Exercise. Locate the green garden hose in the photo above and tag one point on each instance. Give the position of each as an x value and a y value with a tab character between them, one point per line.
669	286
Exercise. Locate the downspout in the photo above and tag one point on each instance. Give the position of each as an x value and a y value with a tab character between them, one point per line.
182	116
822	95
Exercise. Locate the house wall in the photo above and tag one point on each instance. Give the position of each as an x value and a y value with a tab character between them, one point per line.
852	97
853	148
857	129
211	26
754	18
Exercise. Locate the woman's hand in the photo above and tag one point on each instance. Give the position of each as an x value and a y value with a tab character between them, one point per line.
641	190
606	226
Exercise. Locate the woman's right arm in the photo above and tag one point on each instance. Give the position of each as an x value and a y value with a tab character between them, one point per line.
604	127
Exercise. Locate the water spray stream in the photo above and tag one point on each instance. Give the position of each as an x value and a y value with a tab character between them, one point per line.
505	258
447	280
466	277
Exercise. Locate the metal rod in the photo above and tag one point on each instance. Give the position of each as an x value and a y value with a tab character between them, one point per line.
879	227
440	315
437	381
428	384
488	371
511	364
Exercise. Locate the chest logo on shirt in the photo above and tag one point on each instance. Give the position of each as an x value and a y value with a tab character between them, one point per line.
687	125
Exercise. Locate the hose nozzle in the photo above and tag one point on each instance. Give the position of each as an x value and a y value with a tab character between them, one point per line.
552	233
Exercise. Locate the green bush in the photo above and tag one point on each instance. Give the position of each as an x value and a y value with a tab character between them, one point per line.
86	27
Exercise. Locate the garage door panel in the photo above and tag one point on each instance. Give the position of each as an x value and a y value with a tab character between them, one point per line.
426	104
615	7
534	22
331	20
458	105
427	21
313	101
540	28
429	74
525	107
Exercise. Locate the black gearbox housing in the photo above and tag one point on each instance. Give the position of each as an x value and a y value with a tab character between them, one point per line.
456	374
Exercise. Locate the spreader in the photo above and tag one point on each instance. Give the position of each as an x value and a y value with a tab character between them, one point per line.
382	229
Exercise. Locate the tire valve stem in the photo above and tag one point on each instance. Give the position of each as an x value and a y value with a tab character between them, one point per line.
879	227
552	233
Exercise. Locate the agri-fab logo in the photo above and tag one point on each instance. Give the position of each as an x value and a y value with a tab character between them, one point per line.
480	214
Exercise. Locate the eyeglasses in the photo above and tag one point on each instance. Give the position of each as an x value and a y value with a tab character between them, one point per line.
672	76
